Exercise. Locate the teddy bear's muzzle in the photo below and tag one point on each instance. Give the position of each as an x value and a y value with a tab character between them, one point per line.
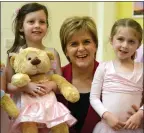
35	61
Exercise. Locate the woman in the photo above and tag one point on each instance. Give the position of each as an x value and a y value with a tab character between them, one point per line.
79	42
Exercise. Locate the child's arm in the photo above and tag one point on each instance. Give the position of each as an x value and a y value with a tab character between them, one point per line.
95	93
135	120
58	63
96	89
57	70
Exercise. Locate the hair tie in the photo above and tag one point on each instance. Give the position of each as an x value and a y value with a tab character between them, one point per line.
16	12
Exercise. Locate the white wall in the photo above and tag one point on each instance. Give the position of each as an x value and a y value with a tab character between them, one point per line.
104	14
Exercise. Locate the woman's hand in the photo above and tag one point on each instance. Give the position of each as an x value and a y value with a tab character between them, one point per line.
135	109
134	121
113	121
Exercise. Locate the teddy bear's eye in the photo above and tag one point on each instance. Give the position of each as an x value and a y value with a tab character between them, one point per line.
29	58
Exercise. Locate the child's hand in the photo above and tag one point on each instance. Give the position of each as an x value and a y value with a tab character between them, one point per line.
34	89
134	121
49	86
113	121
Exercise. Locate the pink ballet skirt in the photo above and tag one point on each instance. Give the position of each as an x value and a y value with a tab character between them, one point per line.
102	127
44	110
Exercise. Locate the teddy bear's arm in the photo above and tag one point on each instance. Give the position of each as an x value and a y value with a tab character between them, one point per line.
67	89
8	105
20	79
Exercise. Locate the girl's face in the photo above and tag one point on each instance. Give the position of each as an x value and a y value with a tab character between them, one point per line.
34	26
125	42
81	49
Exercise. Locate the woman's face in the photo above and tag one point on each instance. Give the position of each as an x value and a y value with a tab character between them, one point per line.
81	49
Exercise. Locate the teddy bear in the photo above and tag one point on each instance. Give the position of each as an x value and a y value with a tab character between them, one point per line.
7	103
33	65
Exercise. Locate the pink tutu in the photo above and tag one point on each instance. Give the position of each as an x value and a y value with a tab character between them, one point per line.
44	110
102	127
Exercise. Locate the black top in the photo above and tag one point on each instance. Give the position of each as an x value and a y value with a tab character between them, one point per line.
79	110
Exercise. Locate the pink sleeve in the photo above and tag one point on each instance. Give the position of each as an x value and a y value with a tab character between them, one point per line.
96	90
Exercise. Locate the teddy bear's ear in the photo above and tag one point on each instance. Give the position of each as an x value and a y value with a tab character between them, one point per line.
12	58
50	55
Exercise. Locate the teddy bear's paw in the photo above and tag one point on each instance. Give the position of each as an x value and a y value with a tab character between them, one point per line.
30	127
61	128
20	79
71	94
9	106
